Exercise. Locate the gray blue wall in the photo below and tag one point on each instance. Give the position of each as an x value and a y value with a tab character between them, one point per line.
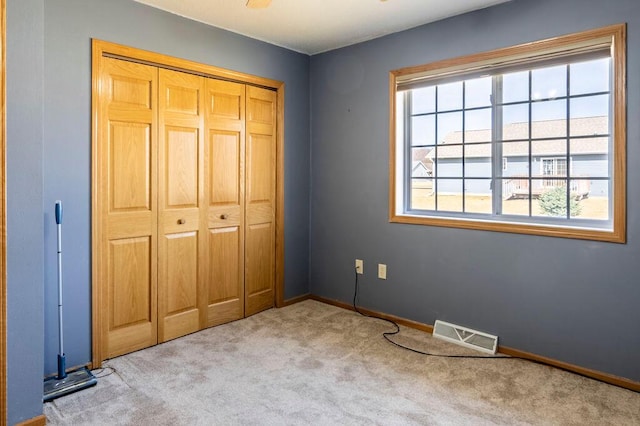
25	65
49	155
565	299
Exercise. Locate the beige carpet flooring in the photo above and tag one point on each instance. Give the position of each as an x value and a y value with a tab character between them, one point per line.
316	364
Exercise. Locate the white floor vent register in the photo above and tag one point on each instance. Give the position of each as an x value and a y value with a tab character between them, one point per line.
465	337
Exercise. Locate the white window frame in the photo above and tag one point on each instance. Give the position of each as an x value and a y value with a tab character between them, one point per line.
612	38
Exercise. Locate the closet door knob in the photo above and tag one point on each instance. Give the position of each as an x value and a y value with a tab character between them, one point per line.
181	221
223	216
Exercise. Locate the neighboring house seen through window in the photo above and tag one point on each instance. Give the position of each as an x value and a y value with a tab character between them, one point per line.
528	139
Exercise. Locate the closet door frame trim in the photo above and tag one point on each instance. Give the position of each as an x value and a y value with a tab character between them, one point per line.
102	49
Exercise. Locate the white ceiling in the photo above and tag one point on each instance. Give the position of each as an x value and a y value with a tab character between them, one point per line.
315	26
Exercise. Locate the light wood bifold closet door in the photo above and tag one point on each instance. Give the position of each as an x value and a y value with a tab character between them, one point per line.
128	205
260	199
226	142
187	195
181	208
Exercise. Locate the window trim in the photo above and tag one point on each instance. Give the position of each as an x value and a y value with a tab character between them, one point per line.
614	37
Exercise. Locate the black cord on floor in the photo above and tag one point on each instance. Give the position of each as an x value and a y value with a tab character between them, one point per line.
397	331
99	373
387	334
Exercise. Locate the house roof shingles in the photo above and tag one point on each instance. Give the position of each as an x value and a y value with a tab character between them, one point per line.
540	129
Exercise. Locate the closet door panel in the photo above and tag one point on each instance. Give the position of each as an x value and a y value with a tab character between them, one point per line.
130	293
130	261
226	149
181	213
180	269
182	168
225	294
259	282
225	172
127	205
130	165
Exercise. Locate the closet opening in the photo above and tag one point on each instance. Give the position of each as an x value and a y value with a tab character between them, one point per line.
187	197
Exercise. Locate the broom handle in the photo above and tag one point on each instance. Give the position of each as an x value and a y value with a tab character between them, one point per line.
59	229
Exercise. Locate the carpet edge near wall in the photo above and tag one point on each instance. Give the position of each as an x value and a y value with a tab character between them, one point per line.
576	369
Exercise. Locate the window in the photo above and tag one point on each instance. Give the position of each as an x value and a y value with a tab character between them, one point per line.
527	139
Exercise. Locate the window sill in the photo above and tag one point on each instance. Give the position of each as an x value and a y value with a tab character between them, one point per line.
616	235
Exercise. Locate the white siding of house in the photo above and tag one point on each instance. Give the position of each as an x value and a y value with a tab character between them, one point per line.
592	165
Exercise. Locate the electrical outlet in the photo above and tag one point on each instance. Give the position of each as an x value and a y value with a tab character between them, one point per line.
382	271
359	266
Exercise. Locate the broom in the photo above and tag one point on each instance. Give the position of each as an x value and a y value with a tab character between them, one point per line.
64	383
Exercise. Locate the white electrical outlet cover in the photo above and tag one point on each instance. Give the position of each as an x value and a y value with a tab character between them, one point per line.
382	271
360	266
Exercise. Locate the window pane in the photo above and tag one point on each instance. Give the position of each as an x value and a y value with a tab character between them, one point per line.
589	115
590	76
549	83
477	161
449	195
549	119
450	127
594	205
552	198
589	157
516	167
477	92
449	167
477	197
422	196
422	154
517	155
421	164
477	125
515	122
542	150
423	100
450	96
423	130
515	87
515	196
579	188
553	170
444	153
